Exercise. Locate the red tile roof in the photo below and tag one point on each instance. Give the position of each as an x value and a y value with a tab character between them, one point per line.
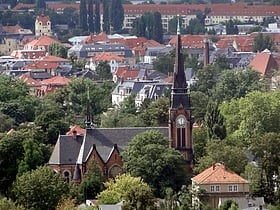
44	19
190	41
29	80
125	74
41	64
45	41
28	54
52	58
23	6
57	80
263	62
107	57
101	37
78	129
12	29
218	173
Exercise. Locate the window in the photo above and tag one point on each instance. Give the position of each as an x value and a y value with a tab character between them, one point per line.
232	188
214	188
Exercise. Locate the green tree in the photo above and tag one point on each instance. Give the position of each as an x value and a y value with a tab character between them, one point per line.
219	151
262	42
33	156
214	122
92	182
8	204
128	105
57	49
90	16
106	17
199	102
157	28
266	152
133	190
236	84
195	26
172	24
11	152
117	15
39	189
83	15
164	62
7	122
103	70
157	113
229	204
255	114
231	28
167	162
97	16
40	5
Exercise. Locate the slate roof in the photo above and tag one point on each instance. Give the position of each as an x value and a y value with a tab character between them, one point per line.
218	173
69	151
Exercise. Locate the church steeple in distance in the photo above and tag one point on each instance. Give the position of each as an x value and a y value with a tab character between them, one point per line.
179	88
88	119
180	118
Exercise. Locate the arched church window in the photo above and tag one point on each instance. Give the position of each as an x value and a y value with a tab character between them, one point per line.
115	170
67	176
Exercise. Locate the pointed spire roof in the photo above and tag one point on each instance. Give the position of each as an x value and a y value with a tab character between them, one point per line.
88	120
179	80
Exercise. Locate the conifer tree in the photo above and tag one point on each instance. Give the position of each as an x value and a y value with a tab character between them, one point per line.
97	17
117	15
90	18
83	15
106	17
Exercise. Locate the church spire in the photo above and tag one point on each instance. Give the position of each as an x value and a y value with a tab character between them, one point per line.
179	80
88	119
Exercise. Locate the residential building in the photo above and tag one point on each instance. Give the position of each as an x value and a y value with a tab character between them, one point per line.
219	183
11	38
112	59
90	50
43	26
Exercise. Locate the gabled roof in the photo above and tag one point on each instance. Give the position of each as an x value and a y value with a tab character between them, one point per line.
190	41
31	82
53	58
41	64
263	62
57	80
43	41
16	29
101	37
107	56
126	74
218	174
44	19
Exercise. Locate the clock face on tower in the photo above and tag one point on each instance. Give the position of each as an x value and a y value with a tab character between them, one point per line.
181	120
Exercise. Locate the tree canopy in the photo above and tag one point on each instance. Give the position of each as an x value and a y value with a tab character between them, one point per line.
40	189
167	162
136	193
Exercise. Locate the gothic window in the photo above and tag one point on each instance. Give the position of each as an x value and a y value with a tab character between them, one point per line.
181	131
114	171
67	175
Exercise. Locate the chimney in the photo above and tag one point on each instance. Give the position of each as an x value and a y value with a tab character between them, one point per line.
214	166
74	134
206	52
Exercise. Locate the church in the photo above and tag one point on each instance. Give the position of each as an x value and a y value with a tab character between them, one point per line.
74	152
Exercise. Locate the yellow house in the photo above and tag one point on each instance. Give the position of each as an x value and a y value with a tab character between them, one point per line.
221	183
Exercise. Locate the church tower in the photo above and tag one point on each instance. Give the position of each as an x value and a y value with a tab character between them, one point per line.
180	119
